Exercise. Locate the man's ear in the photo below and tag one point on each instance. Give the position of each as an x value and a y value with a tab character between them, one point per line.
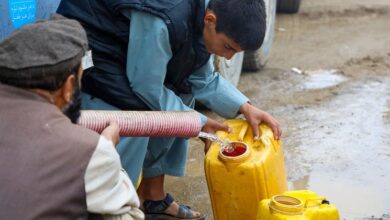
210	19
68	88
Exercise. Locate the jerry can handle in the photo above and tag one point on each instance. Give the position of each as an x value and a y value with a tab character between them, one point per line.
243	131
323	201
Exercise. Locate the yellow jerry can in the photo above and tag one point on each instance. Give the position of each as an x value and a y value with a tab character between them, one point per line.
237	183
297	205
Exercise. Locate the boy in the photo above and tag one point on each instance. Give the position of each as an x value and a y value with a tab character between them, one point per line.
155	55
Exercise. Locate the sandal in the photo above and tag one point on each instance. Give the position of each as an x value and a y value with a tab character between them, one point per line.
154	210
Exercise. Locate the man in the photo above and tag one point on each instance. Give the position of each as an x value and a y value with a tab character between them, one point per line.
155	55
51	168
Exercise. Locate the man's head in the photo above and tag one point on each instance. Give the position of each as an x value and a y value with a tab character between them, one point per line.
45	57
234	25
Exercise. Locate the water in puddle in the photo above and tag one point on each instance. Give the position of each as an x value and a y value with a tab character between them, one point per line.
320	79
224	144
340	150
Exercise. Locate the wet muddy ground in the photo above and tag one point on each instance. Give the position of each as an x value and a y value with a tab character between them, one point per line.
335	115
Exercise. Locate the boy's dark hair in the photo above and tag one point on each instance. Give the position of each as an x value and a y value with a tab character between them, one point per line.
49	82
244	21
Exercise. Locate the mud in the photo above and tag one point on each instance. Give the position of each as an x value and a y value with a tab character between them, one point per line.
335	114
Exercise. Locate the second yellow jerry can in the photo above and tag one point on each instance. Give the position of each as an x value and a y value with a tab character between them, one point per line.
238	182
297	205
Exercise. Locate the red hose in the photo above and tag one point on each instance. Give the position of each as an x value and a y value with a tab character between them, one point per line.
144	123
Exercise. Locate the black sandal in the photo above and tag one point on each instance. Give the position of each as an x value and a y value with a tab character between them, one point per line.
154	210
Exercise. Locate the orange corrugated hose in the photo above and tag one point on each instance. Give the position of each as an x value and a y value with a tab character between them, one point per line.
144	123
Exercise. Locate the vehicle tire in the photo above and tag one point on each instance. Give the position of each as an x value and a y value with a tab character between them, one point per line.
288	6
230	69
255	60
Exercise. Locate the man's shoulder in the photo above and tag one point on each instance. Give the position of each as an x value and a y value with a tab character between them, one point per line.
58	126
77	133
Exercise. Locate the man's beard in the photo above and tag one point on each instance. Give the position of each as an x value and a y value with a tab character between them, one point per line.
72	110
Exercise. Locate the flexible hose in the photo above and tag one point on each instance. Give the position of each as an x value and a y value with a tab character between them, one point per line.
144	123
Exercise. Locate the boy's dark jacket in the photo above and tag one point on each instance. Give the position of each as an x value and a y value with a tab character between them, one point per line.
108	36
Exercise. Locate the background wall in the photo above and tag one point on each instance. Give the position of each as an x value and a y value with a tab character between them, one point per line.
16	13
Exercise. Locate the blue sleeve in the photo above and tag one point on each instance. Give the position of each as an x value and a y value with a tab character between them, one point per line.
147	58
218	94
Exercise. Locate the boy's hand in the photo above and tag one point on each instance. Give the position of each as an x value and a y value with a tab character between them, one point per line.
255	116
112	132
211	127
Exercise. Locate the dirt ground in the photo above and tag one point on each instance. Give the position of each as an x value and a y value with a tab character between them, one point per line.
335	115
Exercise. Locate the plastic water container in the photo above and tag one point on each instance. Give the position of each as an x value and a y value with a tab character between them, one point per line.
237	183
297	205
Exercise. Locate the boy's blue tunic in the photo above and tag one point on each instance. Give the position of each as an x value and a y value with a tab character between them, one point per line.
149	52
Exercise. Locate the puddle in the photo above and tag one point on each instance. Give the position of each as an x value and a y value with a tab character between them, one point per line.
340	150
320	79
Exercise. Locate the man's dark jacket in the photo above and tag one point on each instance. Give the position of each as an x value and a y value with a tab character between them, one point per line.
43	159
